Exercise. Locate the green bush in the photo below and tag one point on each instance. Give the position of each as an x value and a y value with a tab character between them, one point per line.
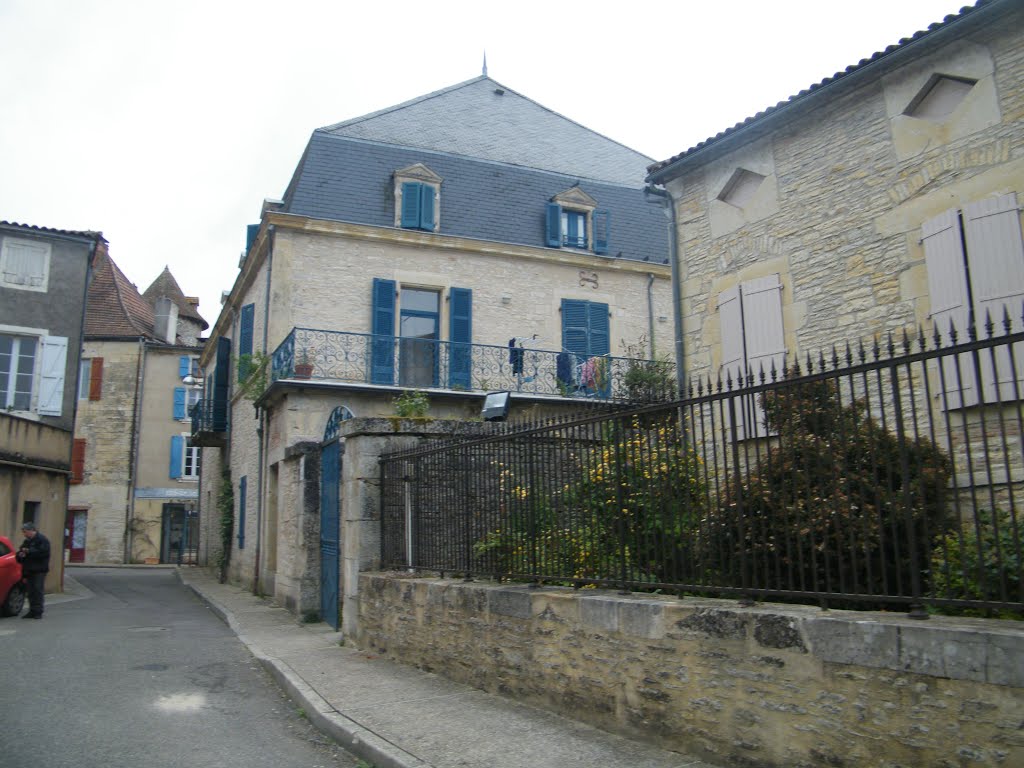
836	505
412	404
631	511
980	562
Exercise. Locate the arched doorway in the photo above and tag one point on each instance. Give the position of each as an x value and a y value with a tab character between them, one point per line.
330	516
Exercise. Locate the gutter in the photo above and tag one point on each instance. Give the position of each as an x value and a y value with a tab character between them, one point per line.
133	451
261	416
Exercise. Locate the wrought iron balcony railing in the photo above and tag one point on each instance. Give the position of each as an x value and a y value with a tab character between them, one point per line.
361	358
208	416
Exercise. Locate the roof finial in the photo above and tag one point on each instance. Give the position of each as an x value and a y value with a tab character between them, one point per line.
485	62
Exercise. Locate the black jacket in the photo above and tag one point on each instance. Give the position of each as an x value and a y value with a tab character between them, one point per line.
37	558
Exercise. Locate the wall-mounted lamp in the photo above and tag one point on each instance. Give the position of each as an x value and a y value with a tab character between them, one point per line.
496	406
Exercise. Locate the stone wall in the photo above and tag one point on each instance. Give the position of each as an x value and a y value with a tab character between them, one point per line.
767	686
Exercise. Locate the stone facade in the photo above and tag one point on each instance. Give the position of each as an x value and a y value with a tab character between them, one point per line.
771	686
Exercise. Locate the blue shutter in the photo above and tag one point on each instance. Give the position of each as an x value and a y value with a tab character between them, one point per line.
251	231
411	204
177	455
179	403
460	336
574	328
184	367
245	338
599	341
221	380
382	346
427	207
601	223
242	486
553	228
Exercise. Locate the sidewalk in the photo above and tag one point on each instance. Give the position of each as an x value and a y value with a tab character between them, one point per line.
395	716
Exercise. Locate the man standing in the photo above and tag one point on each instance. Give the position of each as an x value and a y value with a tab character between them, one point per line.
34	556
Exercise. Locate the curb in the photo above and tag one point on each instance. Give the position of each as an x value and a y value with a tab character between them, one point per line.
358	740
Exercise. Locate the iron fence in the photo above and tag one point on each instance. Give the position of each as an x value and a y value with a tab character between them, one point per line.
873	476
426	363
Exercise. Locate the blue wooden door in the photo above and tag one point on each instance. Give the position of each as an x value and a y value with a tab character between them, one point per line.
330	531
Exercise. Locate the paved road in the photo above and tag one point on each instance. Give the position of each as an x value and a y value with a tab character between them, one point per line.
139	672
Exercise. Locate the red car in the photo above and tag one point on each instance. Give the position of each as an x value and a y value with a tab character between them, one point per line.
12	589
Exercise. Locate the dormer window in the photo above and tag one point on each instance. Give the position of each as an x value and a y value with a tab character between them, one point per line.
939	98
573	221
418	198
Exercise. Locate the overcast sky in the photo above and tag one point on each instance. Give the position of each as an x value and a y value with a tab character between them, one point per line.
165	125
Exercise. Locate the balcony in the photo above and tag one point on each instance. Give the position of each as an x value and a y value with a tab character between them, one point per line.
209	423
416	363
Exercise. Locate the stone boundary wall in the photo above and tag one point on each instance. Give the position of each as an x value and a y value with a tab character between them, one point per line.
772	685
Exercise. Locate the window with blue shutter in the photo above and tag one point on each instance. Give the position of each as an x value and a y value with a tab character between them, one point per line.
585	334
184	366
179	403
251	231
382	345
221	384
245	328
460	337
242	486
177	456
417	206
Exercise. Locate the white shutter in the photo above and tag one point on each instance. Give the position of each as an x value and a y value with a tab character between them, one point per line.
51	379
765	340
947	288
995	256
730	318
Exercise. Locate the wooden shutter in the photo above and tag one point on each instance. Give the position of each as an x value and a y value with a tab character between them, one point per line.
221	384
602	223
184	367
382	345
411	204
77	461
599	338
947	288
553	226
995	258
575	333
251	231
733	370
243	484
177	456
426	207
51	380
96	378
764	341
460	337
245	333
178	411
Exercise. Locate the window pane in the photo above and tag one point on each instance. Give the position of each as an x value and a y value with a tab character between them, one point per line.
84	376
419	301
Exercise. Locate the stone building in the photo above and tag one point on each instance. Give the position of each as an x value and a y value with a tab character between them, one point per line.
842	213
135	487
466	241
43	277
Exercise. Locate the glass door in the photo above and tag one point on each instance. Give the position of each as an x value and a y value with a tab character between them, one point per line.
419	328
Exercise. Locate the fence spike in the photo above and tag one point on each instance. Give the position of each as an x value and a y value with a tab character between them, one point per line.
821	361
972	325
849	354
835	357
890	347
773	371
989	325
952	333
876	349
861	352
907	341
1007	322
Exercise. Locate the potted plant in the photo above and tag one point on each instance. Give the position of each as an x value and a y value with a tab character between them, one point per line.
304	363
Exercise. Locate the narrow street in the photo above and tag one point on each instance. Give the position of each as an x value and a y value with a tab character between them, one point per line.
139	672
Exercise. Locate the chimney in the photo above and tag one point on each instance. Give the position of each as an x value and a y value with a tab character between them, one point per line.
165	323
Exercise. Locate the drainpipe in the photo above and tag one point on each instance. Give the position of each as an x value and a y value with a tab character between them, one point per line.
261	416
133	451
650	311
665	200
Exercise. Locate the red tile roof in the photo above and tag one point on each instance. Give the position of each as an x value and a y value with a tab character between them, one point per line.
114	306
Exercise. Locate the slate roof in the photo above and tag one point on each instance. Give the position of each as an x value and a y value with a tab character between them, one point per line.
345	179
166	286
658	171
114	307
43	230
483	119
